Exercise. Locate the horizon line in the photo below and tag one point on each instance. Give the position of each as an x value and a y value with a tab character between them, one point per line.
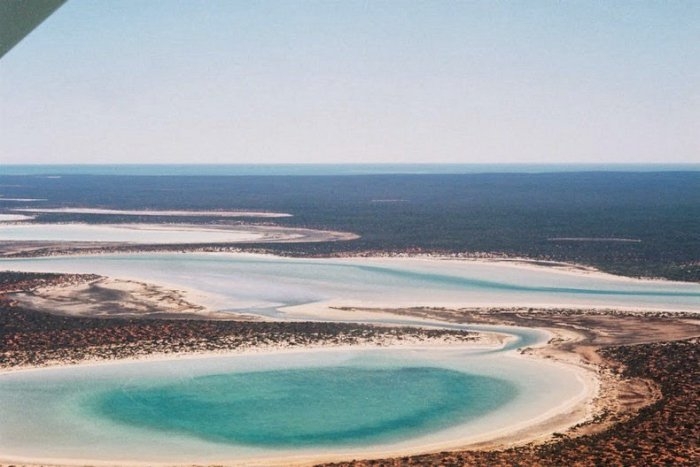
249	164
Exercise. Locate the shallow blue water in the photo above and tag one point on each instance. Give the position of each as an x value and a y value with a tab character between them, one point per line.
302	407
466	282
265	284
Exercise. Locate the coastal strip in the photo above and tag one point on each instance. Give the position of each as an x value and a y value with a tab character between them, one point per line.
588	338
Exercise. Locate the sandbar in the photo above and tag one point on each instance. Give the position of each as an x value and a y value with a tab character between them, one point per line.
36	239
14	217
148	212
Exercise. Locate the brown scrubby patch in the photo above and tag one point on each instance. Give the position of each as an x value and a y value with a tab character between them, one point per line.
11	281
35	338
32	338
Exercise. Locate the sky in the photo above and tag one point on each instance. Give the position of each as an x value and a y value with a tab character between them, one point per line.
355	81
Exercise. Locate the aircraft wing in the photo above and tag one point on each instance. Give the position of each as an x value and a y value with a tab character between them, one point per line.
19	17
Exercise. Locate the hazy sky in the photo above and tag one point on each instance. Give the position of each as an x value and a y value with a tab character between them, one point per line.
349	81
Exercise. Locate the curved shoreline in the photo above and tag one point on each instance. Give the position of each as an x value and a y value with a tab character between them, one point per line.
485	453
519	433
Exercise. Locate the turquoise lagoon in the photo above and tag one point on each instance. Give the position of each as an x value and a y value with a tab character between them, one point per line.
307	406
273	406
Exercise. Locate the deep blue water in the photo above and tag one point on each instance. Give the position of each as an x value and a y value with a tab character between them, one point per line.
329	169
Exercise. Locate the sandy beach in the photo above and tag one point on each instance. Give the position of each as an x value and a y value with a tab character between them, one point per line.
150	212
107	297
158	234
